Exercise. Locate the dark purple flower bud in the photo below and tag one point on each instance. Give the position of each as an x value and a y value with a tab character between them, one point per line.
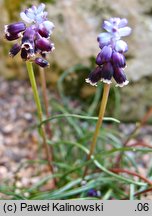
27	54
120	77
98	59
28	42
118	59
28	38
14	28
14	50
43	32
44	45
24	54
107	72
43	54
45	29
12	37
41	62
105	55
94	76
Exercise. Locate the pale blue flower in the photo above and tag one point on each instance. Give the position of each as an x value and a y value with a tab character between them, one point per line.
34	14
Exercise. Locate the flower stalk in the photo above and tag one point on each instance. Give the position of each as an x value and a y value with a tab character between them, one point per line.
39	111
34	88
44	91
46	105
99	123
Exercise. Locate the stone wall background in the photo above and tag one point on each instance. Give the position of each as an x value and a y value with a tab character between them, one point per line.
77	25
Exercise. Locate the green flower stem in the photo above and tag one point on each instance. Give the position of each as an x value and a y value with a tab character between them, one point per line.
35	90
99	123
39	111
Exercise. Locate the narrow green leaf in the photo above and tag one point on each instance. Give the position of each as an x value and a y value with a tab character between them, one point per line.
77	116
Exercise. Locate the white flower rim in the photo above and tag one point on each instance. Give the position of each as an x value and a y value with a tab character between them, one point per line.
27	43
91	83
6	30
106	81
122	84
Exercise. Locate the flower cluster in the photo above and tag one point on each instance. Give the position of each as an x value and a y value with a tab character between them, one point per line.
34	37
110	60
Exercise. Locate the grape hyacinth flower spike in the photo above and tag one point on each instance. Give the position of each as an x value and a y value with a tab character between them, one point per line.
32	36
111	60
110	64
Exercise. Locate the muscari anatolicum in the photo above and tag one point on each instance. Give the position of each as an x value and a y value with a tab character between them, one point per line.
33	37
111	60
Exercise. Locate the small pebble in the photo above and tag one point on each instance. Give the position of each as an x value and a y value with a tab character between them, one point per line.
8	129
